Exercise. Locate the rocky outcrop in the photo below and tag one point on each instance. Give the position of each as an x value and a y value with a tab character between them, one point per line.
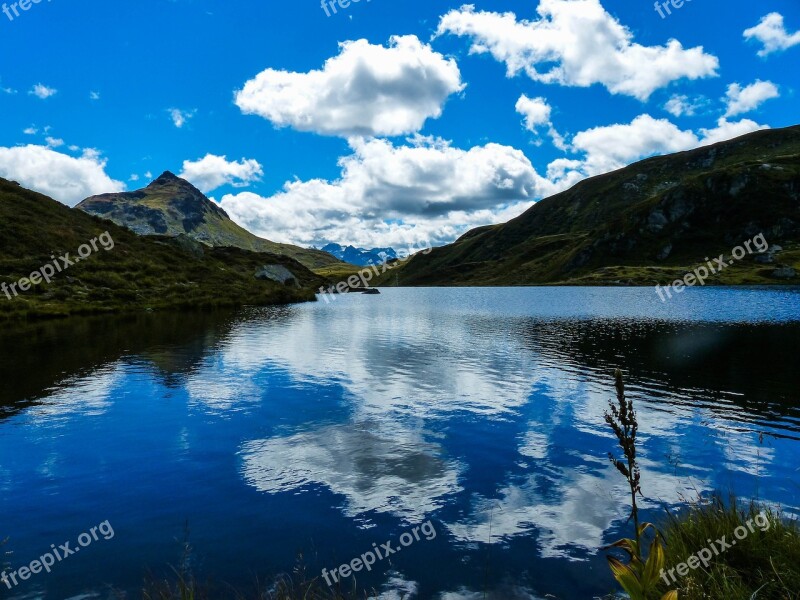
277	273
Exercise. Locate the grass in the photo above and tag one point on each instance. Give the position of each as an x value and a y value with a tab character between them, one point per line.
765	565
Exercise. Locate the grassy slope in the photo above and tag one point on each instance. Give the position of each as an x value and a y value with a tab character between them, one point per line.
216	229
139	273
599	231
765	564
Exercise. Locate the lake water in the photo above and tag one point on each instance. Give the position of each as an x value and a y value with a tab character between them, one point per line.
269	436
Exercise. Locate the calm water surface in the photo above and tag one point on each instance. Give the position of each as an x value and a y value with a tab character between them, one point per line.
317	430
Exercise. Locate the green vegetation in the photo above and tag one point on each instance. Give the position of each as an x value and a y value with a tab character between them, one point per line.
640	576
171	206
139	273
765	565
761	561
338	272
649	223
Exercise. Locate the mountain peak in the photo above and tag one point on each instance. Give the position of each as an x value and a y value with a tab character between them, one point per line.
167	177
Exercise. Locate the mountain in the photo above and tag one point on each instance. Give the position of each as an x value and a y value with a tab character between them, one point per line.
172	206
650	222
122	271
360	256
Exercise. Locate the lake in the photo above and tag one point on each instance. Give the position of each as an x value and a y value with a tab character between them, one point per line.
244	443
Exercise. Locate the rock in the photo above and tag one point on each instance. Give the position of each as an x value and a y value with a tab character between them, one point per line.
277	273
765	259
784	272
656	221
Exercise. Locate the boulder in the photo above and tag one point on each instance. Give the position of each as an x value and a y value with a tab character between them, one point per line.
277	273
784	272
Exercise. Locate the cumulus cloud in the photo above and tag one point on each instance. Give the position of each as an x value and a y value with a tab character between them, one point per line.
744	99
425	190
180	117
535	110
62	177
577	43
211	172
536	113
772	34
367	90
727	130
680	105
42	91
612	147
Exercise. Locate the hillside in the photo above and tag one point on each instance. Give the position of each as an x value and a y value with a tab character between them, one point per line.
171	206
647	223
124	271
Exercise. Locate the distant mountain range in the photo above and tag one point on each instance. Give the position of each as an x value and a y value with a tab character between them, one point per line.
360	256
171	206
647	223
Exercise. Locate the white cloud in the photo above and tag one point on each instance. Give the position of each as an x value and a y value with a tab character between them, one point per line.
94	95
30	130
727	130
211	172
577	43
60	176
680	105
180	117
744	99
537	114
367	90
54	142
535	110
772	34
42	91
612	147
133	177
391	195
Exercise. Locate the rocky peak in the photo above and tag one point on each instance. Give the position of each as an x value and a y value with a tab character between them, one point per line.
168	178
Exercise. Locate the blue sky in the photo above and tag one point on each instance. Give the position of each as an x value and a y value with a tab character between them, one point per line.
388	123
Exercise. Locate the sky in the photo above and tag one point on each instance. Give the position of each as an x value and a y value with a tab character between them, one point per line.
379	123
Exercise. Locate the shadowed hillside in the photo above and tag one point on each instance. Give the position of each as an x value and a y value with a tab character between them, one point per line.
649	222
